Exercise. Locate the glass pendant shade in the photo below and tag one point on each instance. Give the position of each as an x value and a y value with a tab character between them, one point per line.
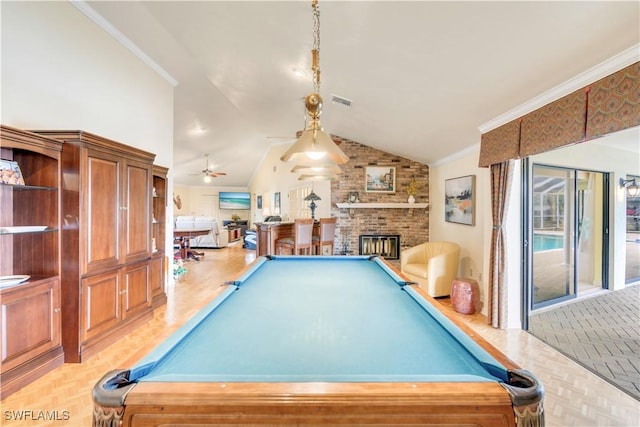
314	145
318	177
329	169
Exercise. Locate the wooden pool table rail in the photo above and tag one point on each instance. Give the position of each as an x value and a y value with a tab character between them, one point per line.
481	404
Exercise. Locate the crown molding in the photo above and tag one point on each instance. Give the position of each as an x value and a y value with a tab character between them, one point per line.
473	149
606	68
100	20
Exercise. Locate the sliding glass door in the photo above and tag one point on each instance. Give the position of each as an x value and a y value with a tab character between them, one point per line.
567	234
632	240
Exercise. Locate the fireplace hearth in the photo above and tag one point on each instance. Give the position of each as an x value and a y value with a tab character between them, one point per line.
384	245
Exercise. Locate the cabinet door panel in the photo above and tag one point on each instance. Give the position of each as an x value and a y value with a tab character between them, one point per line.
156	275
101	303
138	205
30	322
103	213
136	296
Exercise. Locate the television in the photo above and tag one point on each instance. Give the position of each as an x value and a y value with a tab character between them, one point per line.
235	200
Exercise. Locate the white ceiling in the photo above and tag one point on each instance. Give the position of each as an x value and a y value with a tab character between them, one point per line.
423	76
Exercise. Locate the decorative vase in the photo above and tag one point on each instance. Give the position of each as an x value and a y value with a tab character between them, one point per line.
412	199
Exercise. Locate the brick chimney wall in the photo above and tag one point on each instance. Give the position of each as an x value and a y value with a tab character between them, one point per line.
411	224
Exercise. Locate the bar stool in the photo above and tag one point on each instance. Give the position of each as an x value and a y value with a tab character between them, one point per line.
301	239
326	237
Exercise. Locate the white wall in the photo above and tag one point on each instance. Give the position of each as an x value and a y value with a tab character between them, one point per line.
61	71
204	201
473	240
273	175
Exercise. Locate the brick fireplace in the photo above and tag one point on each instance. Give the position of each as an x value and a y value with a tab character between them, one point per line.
411	225
384	245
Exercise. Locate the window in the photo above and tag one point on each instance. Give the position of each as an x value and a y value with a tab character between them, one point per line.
298	205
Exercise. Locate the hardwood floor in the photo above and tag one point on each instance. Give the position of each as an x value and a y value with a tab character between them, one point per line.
573	396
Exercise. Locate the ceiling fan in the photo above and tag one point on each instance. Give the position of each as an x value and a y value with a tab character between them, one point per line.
208	173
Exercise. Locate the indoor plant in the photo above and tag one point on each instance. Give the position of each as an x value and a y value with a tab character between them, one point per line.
412	190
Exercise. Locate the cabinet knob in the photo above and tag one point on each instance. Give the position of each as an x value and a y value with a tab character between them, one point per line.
123	292
56	310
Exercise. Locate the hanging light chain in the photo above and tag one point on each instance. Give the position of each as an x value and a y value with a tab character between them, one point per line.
315	67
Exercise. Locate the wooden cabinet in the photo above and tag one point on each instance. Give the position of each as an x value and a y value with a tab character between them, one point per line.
136	295
159	262
116	201
107	245
234	233
31	340
236	229
30	326
100	304
268	233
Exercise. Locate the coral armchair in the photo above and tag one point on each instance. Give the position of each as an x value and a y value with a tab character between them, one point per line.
433	265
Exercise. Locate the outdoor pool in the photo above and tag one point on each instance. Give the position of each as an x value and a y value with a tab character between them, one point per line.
546	242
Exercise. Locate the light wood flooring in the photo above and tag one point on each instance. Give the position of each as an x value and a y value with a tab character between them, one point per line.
573	395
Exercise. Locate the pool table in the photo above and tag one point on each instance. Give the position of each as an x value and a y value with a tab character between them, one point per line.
332	340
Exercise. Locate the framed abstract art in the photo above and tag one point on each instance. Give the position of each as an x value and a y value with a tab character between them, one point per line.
459	194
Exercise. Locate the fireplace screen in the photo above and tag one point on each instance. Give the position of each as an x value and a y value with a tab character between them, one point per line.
384	245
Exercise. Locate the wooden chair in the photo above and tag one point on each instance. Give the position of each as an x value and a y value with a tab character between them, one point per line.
326	237
301	239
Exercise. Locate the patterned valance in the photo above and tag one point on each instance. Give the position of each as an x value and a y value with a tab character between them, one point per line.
614	102
560	123
500	144
608	105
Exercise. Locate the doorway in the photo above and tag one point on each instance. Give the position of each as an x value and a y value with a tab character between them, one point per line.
567	234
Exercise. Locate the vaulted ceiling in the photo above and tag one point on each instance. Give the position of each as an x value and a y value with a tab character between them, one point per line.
422	76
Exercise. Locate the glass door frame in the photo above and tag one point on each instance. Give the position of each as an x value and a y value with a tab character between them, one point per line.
527	304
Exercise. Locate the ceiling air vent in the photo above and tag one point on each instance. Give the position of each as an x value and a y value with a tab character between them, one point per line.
340	100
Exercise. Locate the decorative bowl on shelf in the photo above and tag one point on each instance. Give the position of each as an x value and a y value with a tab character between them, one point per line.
6	281
23	229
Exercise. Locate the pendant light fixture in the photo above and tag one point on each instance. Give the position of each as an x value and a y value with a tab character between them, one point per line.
317	170
314	144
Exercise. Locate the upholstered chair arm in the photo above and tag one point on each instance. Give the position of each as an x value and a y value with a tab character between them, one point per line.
437	266
441	270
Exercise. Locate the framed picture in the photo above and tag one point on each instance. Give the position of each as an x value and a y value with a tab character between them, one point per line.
459	195
10	173
380	179
259	202
276	203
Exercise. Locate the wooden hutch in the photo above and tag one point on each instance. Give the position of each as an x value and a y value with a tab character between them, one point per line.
30	243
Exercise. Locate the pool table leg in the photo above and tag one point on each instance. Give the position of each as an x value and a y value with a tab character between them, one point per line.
526	396
108	398
107	417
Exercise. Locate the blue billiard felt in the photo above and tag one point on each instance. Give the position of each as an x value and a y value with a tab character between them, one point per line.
343	319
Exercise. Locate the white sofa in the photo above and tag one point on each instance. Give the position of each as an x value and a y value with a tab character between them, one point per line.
214	239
